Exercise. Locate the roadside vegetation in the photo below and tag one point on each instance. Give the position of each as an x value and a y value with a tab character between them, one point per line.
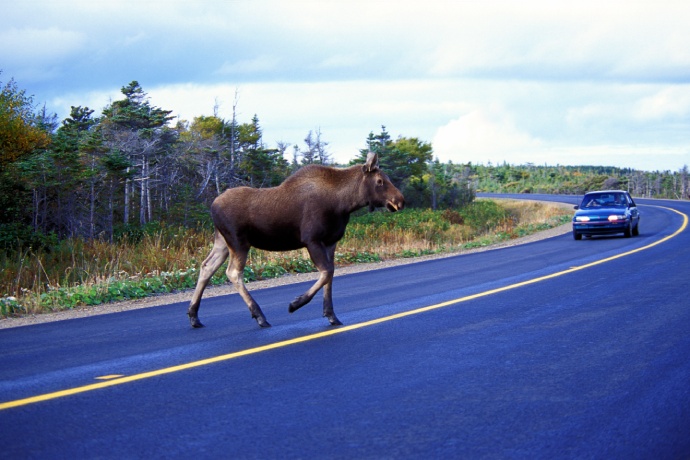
104	207
161	258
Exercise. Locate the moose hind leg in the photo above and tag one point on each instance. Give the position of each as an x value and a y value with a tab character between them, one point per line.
328	293
328	305
235	273
208	267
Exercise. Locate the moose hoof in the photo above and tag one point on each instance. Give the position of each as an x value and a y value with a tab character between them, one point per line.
195	322
295	305
298	303
262	322
334	321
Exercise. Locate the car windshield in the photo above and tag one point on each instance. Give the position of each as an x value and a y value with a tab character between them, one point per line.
599	200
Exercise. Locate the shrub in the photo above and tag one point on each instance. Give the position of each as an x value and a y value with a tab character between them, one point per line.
159	258
17	236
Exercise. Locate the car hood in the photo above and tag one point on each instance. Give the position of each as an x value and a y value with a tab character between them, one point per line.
604	210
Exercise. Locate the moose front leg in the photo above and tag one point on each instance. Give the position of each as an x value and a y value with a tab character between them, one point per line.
325	278
322	256
328	293
328	304
235	273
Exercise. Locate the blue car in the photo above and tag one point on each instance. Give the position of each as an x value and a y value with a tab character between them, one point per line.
606	212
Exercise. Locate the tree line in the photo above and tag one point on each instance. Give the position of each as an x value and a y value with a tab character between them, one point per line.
576	180
106	176
134	165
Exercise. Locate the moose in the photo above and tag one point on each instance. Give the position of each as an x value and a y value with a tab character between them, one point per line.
310	209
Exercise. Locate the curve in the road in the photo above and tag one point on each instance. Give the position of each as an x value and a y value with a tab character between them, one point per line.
250	351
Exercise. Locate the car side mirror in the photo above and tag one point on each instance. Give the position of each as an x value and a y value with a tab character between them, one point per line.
576	207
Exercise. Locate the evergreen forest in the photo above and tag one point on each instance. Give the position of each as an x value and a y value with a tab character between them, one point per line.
108	175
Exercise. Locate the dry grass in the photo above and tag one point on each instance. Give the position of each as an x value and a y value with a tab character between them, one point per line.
78	272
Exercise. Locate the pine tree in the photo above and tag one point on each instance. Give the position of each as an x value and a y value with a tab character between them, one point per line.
139	130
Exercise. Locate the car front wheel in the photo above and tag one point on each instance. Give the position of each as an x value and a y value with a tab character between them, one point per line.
577	236
629	230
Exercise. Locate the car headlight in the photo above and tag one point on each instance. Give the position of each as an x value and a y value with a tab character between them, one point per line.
582	219
615	217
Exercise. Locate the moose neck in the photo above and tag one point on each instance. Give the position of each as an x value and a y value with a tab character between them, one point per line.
351	189
339	190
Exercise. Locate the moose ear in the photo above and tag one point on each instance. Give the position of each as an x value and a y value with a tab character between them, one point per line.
372	163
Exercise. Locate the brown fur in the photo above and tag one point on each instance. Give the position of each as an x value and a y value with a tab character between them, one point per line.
310	209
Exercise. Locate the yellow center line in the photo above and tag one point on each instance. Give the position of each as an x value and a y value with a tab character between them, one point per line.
109	377
272	346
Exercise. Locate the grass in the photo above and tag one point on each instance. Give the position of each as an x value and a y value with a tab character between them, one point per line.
75	273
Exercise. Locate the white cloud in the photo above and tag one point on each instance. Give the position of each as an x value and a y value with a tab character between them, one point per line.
259	64
35	55
669	102
136	38
501	80
465	121
584	40
339	61
482	134
94	100
31	45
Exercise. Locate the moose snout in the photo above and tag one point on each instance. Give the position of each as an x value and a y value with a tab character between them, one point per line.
396	204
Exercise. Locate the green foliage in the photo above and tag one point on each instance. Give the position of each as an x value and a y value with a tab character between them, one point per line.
102	177
130	178
444	186
21	131
425	182
116	290
354	257
484	215
403	159
411	219
577	180
135	112
133	233
159	258
9	306
406	159
15	198
17	236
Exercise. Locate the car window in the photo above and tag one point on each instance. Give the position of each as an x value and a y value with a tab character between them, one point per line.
597	200
591	201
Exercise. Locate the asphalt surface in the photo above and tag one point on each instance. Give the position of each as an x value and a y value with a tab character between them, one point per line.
553	349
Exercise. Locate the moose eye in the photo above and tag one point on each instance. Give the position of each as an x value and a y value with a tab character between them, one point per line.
379	182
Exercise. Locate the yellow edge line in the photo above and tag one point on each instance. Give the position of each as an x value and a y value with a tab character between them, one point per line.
306	338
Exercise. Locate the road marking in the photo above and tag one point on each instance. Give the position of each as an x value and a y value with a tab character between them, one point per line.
109	377
119	380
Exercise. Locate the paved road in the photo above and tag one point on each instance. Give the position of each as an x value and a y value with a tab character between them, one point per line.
554	349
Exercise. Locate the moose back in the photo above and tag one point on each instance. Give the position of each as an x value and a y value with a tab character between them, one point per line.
310	209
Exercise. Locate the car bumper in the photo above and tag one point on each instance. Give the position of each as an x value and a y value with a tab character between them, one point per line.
600	228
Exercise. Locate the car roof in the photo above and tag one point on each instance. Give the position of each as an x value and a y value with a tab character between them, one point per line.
606	191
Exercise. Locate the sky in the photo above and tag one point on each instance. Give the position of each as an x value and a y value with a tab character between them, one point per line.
543	82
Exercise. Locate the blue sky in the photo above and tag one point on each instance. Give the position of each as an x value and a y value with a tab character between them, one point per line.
555	82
